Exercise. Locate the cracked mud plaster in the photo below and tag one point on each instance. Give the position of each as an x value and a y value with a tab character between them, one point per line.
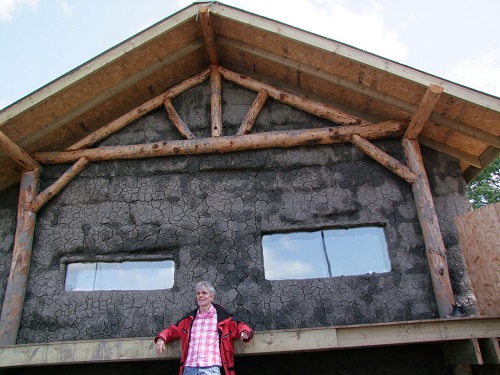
208	213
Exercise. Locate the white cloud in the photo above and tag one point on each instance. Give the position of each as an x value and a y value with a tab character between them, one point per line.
66	8
8	7
365	29
481	72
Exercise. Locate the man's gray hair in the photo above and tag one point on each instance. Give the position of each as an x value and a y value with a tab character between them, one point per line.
207	286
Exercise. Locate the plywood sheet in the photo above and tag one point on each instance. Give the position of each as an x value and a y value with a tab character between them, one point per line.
479	233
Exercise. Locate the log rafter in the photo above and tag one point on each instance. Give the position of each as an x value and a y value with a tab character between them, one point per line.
21	157
423	112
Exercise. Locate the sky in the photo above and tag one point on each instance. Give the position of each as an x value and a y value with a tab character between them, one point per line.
457	40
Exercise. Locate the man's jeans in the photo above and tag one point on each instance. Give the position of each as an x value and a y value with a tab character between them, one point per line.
213	370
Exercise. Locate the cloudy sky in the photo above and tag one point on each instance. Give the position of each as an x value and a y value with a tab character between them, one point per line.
457	40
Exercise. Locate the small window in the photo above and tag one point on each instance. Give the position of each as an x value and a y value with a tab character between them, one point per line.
120	276
325	253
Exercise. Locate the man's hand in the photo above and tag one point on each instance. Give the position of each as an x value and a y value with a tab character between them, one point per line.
244	335
160	345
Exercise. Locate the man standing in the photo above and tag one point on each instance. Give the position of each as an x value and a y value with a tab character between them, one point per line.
206	335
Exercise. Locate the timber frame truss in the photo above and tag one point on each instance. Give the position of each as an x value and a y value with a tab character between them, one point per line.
347	128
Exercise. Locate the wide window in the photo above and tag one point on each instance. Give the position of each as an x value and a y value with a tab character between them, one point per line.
325	253
120	276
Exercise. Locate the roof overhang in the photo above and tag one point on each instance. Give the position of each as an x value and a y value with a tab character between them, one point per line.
464	123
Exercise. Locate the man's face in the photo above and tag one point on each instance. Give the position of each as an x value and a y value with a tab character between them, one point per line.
204	298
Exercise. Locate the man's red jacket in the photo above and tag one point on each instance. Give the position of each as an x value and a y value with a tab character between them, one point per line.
229	327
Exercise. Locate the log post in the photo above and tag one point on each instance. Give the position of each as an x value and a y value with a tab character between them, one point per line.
208	34
216	101
434	245
21	258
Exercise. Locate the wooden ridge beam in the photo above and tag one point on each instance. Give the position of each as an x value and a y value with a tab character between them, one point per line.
316	108
279	139
263	343
139	111
423	112
383	158
17	154
208	34
57	186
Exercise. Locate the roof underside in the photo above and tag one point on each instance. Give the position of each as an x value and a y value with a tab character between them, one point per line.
464	123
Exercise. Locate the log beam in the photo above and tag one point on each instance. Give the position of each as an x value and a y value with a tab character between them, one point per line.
434	245
21	258
279	139
176	119
386	160
316	108
139	111
216	101
424	111
20	156
253	112
57	186
208	34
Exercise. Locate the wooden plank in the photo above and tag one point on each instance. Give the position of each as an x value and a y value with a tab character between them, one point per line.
490	350
318	109
253	112
463	352
452	151
423	112
263	343
208	34
177	120
57	186
280	139
434	245
21	258
215	101
139	111
17	154
479	234
384	159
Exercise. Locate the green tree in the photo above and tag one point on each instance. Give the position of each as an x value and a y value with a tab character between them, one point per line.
485	188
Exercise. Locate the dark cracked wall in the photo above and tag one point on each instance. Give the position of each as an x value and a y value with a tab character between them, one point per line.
208	213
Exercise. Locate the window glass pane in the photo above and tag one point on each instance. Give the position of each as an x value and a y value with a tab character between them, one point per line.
80	276
296	255
121	276
357	251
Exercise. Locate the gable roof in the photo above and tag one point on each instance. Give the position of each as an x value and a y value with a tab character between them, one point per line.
464	123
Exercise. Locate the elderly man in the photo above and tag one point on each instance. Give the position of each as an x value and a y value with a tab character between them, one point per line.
206	335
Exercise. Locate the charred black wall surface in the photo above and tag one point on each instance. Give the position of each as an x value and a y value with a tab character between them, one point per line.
208	213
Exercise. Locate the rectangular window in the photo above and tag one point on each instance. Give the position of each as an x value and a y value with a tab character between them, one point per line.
120	276
325	253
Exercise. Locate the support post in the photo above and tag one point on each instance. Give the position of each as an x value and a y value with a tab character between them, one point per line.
21	259
434	245
216	101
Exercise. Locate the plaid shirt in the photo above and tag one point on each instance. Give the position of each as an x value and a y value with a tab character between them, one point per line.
204	348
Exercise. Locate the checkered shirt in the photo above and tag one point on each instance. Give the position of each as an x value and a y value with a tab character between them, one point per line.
204	348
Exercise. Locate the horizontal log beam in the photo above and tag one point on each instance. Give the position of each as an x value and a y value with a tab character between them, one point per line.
279	139
316	108
263	343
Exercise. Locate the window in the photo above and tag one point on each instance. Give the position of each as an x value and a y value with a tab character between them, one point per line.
325	253
120	276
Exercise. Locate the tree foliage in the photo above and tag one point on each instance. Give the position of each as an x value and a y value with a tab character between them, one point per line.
485	188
